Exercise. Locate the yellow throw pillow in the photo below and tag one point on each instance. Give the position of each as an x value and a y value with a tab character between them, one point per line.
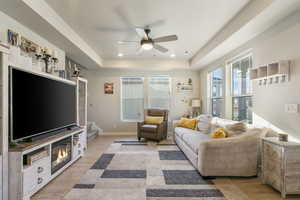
188	123
153	120
219	133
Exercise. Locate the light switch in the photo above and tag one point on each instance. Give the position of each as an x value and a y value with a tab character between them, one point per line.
291	108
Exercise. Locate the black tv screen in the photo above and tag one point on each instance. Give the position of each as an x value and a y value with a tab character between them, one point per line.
39	104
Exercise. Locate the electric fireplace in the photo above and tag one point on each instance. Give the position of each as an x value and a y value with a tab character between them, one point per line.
61	154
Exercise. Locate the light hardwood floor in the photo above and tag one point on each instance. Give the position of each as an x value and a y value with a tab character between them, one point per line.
233	188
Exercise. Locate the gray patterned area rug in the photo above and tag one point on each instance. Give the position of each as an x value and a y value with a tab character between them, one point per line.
132	170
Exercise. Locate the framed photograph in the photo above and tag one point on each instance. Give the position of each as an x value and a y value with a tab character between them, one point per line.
12	38
28	46
108	88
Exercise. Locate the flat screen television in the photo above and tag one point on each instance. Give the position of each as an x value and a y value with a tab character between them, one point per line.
39	104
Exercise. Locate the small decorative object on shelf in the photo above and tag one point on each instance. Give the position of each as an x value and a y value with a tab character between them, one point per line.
12	38
283	137
26	53
76	71
54	60
62	73
46	57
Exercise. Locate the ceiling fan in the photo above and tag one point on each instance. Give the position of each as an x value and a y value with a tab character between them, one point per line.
147	43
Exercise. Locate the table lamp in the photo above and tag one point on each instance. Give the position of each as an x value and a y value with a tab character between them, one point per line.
196	104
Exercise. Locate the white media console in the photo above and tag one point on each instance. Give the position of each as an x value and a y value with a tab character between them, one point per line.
26	178
31	165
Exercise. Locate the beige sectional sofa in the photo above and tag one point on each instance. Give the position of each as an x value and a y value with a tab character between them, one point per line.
233	156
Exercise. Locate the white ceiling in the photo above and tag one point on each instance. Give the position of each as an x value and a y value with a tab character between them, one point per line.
103	23
89	31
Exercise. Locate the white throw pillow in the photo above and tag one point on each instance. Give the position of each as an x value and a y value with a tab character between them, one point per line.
204	123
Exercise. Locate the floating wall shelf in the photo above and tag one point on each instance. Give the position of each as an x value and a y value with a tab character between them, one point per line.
279	71
262	71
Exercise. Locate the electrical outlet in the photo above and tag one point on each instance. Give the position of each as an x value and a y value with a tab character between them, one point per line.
292	108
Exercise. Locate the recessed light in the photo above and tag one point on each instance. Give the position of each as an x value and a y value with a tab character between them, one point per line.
120	54
172	55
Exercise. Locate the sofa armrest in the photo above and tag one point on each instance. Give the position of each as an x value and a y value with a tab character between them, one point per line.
229	156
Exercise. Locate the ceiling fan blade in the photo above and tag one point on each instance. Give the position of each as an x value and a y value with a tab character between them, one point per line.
141	32
160	48
166	38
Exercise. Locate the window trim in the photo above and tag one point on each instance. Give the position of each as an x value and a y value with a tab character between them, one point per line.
121	99
223	90
239	59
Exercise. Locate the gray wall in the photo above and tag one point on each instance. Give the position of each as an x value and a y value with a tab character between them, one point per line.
104	109
279	42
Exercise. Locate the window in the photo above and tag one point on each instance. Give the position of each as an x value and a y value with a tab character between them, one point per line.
159	92
132	98
217	93
242	90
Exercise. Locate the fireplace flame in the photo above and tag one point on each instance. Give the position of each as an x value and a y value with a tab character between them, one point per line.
62	154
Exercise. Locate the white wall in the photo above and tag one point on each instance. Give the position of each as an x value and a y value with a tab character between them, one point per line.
279	42
7	22
104	109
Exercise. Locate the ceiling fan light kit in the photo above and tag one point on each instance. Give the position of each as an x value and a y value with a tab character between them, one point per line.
147	43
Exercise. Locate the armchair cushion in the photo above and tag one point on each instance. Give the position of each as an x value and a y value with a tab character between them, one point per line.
153	120
149	128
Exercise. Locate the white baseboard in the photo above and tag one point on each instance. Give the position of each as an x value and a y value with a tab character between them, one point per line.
118	133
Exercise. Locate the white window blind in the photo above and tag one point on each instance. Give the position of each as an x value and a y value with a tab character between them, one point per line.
132	98
159	89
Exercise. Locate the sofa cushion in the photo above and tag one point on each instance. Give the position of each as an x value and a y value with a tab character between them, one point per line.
204	123
187	123
149	128
180	131
193	140
217	123
219	133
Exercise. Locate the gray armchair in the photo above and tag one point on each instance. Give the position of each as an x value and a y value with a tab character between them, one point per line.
154	131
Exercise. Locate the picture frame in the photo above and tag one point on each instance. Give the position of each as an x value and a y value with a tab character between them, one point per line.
12	38
108	88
